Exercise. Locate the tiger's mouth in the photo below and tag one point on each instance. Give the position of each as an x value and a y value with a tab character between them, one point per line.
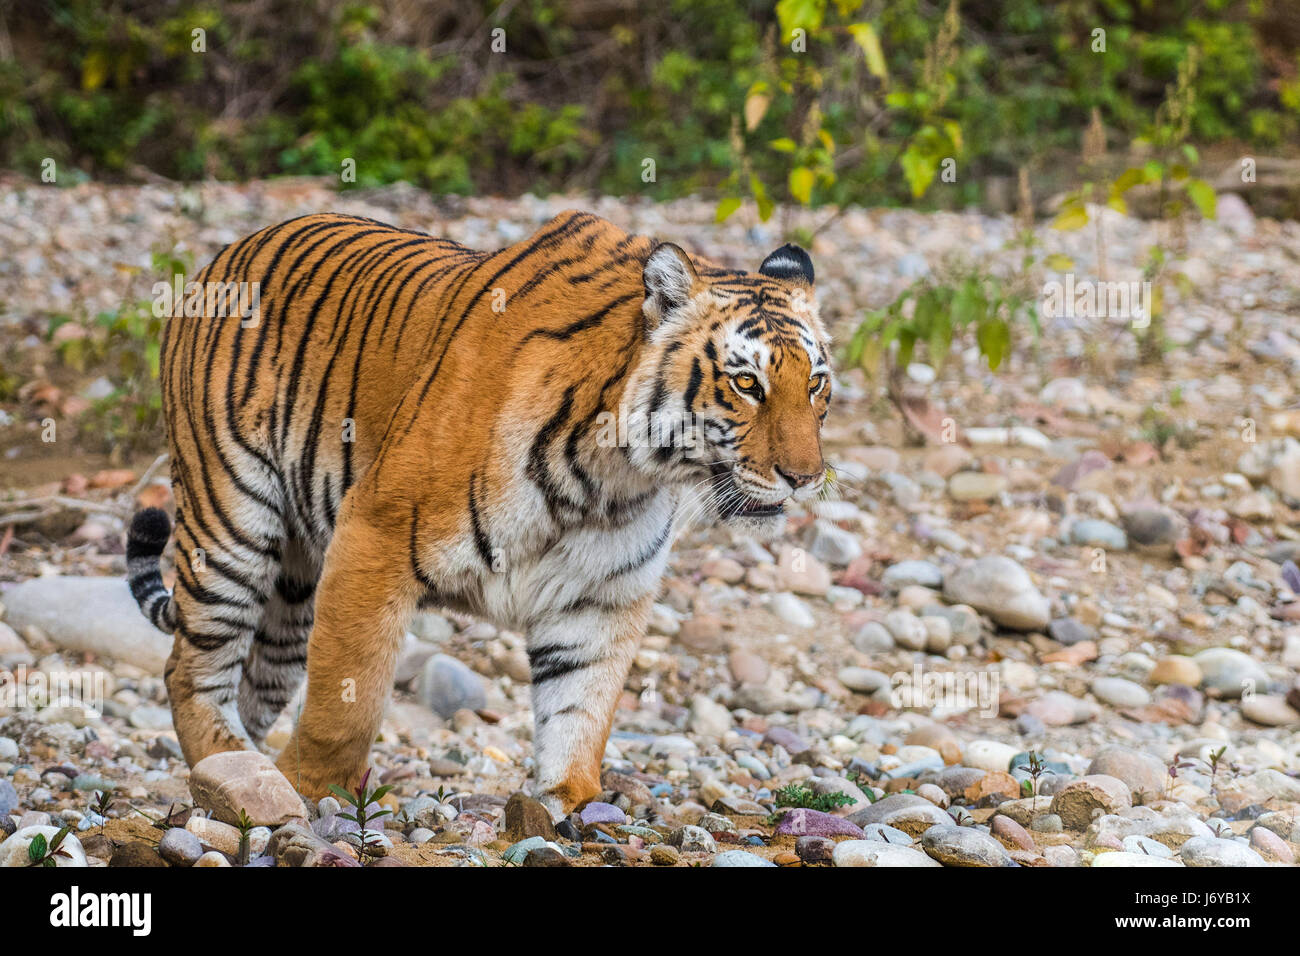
733	502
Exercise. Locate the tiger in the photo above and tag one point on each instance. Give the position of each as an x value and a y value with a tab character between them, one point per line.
406	423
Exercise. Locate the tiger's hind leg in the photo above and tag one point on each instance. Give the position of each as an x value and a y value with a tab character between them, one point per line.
223	583
277	662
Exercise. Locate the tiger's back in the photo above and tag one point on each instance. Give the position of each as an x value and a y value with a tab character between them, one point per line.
351	317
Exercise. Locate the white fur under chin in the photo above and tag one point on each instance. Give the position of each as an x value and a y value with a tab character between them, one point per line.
758	528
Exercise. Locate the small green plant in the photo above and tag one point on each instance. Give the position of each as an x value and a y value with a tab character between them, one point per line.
244	824
794	796
100	805
169	820
1173	771
863	783
1216	761
1159	428
41	852
933	312
1036	768
939	309
366	840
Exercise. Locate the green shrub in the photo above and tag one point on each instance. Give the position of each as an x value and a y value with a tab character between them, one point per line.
583	95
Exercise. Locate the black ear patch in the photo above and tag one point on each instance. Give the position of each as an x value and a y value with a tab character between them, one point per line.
788	262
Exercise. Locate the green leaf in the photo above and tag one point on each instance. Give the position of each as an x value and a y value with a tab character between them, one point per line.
783	144
940	340
58	838
1202	193
94	70
342	794
1059	262
865	36
927	307
1073	216
726	208
853	351
968	304
994	338
906	346
800	14
801	184
765	204
952	130
1131	177
872	353
919	167
36	849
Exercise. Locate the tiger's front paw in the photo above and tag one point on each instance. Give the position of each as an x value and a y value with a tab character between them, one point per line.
313	779
554	806
563	799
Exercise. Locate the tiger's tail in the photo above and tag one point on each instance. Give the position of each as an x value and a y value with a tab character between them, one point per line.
145	541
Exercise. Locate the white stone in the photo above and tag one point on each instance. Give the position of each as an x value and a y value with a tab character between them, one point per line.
1002	589
792	611
988	755
91	615
14	850
874	853
1129	859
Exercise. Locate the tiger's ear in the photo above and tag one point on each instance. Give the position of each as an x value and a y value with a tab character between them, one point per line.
790	263
670	281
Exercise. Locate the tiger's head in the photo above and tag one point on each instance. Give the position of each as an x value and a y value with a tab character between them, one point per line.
735	383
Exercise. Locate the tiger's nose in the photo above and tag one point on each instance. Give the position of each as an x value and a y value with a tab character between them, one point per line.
796	479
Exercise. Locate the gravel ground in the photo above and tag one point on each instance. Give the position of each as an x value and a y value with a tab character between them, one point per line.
1092	591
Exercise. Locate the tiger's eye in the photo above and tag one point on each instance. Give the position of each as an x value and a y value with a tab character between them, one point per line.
816	383
745	382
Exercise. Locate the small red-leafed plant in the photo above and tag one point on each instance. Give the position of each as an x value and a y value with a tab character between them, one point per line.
366	840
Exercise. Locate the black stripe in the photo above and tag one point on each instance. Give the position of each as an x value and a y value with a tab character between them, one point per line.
481	540
538	470
646	556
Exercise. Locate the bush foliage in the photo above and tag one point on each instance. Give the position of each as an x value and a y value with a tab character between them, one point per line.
586	91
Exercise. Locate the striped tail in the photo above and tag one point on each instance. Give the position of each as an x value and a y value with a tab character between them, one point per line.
145	541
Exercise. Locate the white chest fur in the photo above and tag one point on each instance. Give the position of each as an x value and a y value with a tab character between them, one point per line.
537	567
